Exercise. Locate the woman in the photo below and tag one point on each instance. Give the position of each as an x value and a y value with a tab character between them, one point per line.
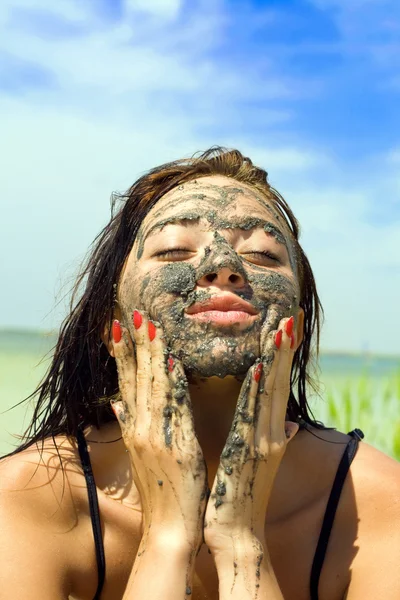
172	453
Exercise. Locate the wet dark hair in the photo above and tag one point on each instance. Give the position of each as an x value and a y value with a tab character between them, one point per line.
82	376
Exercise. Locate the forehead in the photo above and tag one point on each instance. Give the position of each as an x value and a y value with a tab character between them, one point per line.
213	197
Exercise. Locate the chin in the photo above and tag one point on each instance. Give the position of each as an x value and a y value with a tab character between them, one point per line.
219	359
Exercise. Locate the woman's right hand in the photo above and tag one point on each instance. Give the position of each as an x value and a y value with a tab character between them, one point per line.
157	426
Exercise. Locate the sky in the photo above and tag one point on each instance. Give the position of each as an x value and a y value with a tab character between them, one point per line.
95	92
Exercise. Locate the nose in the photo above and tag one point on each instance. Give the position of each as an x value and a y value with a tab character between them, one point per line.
222	277
222	269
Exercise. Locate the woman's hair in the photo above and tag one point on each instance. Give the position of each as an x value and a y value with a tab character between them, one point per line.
82	376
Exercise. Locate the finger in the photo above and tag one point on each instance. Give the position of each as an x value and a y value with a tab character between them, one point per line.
162	411
263	417
281	387
124	409
271	323
241	435
181	417
245	409
143	370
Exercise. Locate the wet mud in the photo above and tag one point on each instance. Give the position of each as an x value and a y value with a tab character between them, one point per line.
204	349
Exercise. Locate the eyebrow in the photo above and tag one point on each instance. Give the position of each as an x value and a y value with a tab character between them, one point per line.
245	223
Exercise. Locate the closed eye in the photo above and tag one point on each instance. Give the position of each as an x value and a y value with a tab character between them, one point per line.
172	252
264	255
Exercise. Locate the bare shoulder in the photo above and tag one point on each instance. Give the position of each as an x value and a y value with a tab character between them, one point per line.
376	478
364	545
373	474
39	505
374	484
42	478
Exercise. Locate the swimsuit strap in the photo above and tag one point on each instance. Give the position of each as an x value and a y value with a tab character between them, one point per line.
344	466
94	511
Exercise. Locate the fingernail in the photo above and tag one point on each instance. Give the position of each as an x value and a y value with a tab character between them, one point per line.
258	371
116	331
170	364
278	338
292	340
152	331
137	319
289	326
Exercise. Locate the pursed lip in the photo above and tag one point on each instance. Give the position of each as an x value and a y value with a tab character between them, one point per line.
222	302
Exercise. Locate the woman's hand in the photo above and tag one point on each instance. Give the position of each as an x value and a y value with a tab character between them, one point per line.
236	510
156	421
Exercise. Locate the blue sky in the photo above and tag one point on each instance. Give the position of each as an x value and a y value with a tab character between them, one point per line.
94	93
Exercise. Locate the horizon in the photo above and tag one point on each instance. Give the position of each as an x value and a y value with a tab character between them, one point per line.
43	333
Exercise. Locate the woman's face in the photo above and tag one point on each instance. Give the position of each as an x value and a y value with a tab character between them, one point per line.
221	227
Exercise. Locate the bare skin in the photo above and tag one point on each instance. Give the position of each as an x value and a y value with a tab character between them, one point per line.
55	535
296	497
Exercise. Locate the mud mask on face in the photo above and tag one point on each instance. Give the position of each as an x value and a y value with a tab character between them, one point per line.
207	350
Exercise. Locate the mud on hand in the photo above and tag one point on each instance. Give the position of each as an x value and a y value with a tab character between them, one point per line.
255	446
157	427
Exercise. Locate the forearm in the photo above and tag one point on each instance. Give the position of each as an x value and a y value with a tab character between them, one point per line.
163	569
245	572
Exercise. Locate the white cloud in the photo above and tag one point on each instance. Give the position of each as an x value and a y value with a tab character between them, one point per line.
290	159
136	55
132	95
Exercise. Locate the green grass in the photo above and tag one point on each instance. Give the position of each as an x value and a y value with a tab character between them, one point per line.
371	404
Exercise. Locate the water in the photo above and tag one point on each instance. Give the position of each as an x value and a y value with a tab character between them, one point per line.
344	365
22	366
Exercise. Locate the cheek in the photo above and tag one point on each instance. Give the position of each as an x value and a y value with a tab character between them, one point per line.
149	289
130	290
274	288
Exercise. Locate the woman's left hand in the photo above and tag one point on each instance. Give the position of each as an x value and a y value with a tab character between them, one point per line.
255	446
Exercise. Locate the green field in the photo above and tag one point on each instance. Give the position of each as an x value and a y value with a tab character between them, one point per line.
356	391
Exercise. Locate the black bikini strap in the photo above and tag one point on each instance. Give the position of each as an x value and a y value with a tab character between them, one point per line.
94	511
344	465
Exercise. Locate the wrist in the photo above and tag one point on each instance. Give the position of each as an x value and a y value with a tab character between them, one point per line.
245	571
235	542
169	558
171	541
240	549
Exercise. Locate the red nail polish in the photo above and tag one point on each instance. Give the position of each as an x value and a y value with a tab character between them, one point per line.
116	331
258	371
278	338
292	341
289	326
170	364
137	319
152	331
